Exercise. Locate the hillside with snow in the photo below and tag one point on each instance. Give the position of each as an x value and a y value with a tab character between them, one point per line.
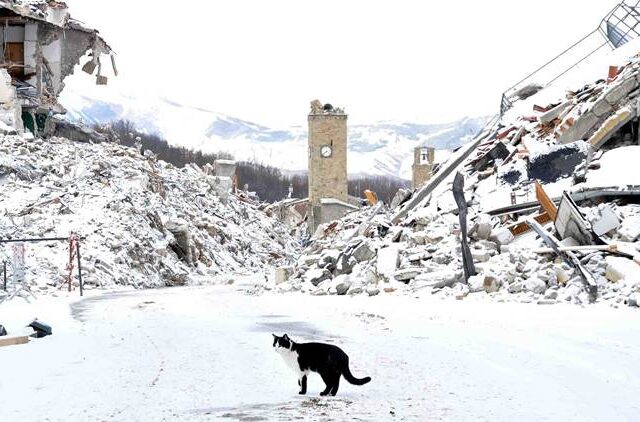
382	148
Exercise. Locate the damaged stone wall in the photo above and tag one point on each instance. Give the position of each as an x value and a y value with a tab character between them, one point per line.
76	46
62	50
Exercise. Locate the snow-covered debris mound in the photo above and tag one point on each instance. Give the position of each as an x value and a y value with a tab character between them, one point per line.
423	256
550	194
143	222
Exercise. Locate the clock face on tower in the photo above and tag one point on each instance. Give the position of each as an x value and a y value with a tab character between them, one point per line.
326	151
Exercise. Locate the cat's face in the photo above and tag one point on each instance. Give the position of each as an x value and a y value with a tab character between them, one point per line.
281	343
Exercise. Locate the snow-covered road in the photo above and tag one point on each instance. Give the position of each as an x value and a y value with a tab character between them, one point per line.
204	353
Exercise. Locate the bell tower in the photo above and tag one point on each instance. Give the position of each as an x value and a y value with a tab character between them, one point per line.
327	157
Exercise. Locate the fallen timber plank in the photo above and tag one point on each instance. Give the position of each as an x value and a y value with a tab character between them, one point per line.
547	204
13	340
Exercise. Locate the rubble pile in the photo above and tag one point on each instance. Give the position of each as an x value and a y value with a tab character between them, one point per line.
141	222
550	195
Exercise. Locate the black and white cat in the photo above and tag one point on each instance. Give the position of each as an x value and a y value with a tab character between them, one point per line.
327	360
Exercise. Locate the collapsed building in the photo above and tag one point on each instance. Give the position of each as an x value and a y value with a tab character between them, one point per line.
41	45
141	222
542	206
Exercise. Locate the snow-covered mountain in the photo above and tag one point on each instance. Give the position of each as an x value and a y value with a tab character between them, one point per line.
382	148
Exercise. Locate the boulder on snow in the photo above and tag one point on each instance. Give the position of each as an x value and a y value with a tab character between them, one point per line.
373	291
629	230
502	236
329	259
436	279
342	283
400	197
535	285
484	282
407	274
317	276
388	260
482	227
618	268
364	251
282	274
345	264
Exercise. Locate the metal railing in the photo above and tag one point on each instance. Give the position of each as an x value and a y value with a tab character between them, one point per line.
619	26
74	254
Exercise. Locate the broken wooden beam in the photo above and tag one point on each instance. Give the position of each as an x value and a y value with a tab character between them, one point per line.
547	203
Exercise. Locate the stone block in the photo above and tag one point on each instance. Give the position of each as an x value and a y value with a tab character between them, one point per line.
282	274
317	276
617	92
502	236
535	285
342	283
629	230
436	279
484	283
407	274
554	113
388	260
364	251
582	126
602	108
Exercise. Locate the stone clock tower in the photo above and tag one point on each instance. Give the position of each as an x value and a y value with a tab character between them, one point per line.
327	153
327	158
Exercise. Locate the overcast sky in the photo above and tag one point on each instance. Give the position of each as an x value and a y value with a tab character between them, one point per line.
402	60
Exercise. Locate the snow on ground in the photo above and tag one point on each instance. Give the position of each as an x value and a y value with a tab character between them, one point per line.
204	353
615	166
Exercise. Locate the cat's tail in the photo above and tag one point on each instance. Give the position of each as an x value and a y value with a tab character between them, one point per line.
346	373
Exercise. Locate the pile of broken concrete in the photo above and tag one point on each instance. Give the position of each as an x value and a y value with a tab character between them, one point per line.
141	222
550	198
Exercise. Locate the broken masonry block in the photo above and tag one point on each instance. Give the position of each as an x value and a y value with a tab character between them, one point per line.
613	74
555	112
89	67
499	151
282	274
612	125
621	90
580	128
607	222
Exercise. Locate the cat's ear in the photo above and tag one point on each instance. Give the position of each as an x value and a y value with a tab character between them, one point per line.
286	337
274	336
